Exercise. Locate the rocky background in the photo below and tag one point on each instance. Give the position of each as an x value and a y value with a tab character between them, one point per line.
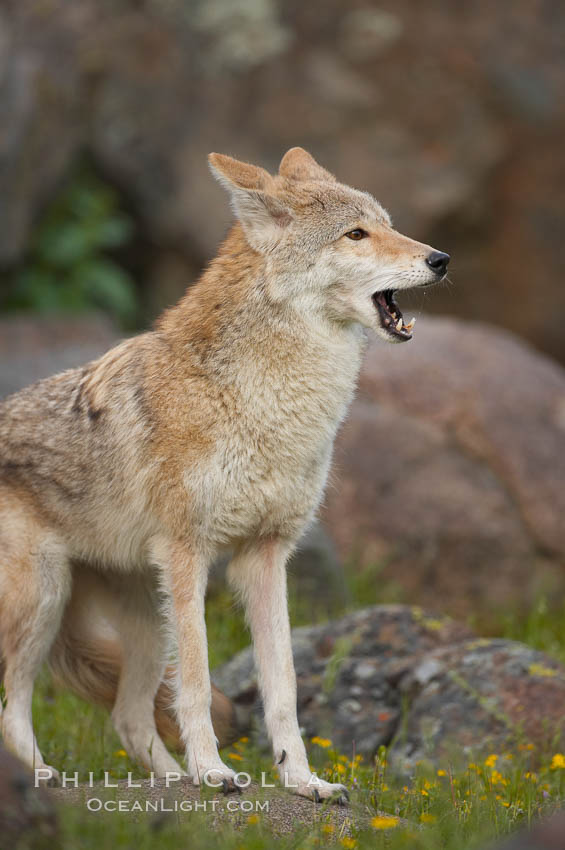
448	476
450	113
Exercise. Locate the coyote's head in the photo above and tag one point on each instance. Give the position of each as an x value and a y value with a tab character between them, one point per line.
329	249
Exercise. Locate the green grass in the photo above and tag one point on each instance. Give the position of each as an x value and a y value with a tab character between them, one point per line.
447	808
542	627
462	807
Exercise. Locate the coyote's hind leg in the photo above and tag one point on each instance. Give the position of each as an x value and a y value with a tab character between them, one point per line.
34	587
143	664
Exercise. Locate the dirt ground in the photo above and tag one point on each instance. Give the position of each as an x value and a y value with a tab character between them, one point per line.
281	811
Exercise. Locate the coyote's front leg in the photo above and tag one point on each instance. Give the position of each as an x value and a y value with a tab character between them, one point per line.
259	573
186	573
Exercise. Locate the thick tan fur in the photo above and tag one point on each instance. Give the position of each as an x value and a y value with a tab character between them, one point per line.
212	432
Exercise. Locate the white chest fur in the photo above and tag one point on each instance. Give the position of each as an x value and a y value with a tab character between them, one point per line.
273	448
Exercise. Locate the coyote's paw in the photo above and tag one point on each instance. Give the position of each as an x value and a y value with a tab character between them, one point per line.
218	776
317	789
46	775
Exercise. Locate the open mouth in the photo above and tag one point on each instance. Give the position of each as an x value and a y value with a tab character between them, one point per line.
390	316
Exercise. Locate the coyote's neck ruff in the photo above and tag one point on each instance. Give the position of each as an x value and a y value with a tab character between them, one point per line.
213	431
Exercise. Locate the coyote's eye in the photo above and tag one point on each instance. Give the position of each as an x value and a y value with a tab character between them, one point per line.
357	234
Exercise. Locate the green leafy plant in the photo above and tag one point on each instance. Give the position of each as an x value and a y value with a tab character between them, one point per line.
70	267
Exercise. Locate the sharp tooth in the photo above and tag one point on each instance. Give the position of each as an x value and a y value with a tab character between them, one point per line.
409	325
399	324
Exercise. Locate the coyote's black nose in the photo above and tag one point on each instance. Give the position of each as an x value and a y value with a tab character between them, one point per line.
438	261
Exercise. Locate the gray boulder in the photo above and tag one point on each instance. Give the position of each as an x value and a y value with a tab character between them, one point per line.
421	684
545	835
28	817
449	470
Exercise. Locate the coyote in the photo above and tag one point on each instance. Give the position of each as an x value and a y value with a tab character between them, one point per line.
121	481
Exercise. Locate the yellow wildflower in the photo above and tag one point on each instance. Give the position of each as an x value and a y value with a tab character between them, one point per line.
121	753
348	843
384	822
491	760
253	819
541	670
480	642
328	828
235	756
558	761
441	773
426	817
433	624
322	742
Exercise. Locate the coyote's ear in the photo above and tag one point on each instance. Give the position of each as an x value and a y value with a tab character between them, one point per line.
235	174
298	164
251	188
